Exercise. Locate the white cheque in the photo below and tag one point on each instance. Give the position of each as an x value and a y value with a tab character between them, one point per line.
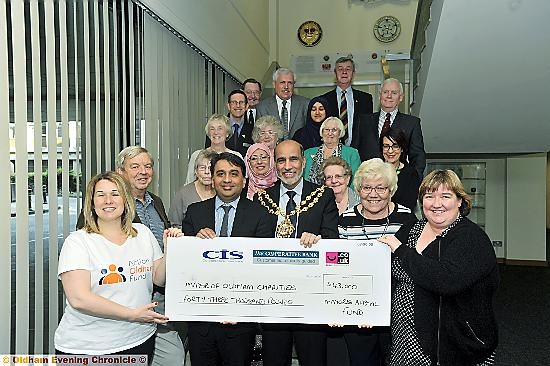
278	281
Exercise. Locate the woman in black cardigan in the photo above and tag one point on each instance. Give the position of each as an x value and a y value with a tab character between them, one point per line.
445	276
393	146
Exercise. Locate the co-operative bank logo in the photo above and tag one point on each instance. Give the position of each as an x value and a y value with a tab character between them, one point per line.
297	257
337	258
223	255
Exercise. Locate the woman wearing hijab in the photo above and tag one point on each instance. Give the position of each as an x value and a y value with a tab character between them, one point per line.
260	168
318	111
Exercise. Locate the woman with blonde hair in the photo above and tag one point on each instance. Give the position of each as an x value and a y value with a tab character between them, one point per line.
107	270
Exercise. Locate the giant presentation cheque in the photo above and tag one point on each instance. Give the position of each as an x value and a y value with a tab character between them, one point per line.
278	281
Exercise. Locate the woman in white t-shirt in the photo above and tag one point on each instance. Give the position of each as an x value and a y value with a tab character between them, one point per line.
107	270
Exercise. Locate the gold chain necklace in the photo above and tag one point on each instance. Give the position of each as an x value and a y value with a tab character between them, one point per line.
285	228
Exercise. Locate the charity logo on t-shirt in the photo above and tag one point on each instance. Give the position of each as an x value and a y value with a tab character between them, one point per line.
114	275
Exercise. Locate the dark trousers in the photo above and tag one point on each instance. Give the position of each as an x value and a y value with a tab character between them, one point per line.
309	340
368	347
216	344
147	348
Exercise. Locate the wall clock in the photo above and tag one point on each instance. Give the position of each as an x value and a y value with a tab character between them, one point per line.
387	29
309	33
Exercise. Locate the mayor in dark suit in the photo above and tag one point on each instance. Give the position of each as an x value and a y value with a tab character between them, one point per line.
345	102
309	224
291	109
371	127
226	214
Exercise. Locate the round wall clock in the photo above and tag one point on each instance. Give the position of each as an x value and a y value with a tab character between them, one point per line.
387	29
309	33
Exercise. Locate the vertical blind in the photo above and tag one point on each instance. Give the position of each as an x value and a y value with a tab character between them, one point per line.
80	80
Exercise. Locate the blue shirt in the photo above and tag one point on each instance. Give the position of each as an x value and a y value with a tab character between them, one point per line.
220	212
239	122
149	217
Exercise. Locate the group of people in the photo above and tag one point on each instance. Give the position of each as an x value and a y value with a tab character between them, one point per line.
287	167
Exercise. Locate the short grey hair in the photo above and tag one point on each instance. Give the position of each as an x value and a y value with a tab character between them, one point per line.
392	80
131	152
207	154
339	123
267	121
218	118
376	169
343	59
283	71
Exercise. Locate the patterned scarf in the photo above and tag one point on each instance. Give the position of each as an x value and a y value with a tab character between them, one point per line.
315	173
257	181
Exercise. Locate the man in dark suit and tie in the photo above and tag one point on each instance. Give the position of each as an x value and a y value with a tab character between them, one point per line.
309	224
253	90
291	109
345	102
226	214
371	126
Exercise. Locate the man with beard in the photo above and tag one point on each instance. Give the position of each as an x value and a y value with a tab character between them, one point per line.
309	224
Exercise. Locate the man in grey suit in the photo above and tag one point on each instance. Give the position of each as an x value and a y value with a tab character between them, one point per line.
372	125
289	108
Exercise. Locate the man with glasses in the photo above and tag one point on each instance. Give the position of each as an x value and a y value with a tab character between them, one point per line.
290	109
372	126
253	90
292	216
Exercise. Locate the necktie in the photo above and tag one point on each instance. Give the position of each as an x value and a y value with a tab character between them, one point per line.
225	221
386	125
291	205
235	135
344	115
251	117
284	118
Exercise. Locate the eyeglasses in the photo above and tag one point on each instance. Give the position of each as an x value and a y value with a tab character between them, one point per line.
237	102
203	168
393	147
331	130
256	159
268	133
328	178
252	92
378	189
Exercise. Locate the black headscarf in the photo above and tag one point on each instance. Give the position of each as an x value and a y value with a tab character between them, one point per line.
309	135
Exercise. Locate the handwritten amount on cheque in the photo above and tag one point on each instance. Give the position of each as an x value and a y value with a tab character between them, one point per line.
270	290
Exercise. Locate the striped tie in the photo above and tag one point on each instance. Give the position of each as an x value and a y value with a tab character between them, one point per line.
284	119
344	115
